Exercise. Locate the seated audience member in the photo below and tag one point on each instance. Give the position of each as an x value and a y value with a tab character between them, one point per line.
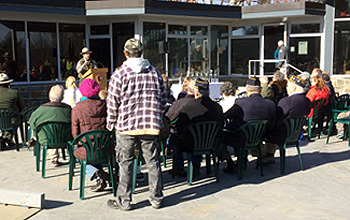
228	93
318	90
295	105
276	89
90	114
185	83
316	72
53	111
169	96
178	105
254	107
103	94
199	110
9	98
72	94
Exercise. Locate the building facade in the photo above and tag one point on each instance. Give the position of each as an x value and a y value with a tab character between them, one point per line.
44	38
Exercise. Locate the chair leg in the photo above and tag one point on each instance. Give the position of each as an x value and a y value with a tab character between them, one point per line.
240	162
207	163
329	130
189	169
14	131
37	152
260	161
71	171
163	153
82	178
112	176
215	167
134	174
300	159
282	159
43	162
309	128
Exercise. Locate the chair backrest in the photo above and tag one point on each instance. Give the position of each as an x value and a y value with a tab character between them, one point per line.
96	143
341	103
28	112
6	114
57	133
294	127
253	131
317	106
203	134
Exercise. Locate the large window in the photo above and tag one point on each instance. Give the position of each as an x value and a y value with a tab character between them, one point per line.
341	62
243	50
305	52
71	41
219	50
342	8
12	42
154	44
42	51
121	33
178	57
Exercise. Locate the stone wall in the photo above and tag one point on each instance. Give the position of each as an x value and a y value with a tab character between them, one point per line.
34	94
341	84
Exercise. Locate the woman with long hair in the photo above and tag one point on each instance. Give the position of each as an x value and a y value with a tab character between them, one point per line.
318	90
72	94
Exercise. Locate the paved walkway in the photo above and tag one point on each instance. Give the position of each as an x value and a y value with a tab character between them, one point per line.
321	191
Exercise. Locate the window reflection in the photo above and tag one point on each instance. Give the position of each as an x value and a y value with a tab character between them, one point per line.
306	28
199	30
71	41
121	33
242	51
153	44
341	62
305	53
242	31
42	51
178	60
13	50
219	50
177	29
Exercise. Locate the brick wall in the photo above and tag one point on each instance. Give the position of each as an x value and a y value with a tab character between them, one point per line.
34	94
341	84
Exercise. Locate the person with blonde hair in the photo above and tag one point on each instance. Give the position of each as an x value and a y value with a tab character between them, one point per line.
72	94
185	84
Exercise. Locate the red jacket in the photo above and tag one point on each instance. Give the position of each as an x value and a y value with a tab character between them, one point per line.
314	94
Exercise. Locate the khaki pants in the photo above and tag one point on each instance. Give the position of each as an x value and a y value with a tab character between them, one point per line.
340	126
268	148
54	155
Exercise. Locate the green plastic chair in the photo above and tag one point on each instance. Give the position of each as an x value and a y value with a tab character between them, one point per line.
97	144
316	106
253	132
294	126
25	114
345	121
339	105
6	114
203	135
58	134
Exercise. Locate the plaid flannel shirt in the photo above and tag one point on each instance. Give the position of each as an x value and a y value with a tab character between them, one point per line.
136	100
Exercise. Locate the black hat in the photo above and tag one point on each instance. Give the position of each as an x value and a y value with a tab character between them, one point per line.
253	81
298	81
202	84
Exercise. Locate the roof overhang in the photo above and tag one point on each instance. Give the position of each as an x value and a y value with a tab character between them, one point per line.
283	10
135	7
71	7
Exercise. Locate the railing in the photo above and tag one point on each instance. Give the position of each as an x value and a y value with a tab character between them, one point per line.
260	62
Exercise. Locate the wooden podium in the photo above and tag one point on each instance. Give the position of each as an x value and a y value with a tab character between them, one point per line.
99	75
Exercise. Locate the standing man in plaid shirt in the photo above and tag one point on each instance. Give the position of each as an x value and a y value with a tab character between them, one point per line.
135	104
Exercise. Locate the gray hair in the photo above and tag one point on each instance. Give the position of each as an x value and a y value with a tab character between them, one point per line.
56	93
228	89
279	76
251	88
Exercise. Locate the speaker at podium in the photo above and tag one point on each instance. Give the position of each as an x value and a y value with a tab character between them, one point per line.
99	75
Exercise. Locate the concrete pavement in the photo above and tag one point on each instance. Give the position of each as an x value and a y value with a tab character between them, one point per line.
321	191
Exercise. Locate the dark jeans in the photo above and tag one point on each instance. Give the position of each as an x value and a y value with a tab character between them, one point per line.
125	157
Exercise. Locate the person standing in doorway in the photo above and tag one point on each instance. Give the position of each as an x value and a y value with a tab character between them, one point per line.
283	54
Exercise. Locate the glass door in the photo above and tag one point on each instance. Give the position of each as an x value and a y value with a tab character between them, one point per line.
271	35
